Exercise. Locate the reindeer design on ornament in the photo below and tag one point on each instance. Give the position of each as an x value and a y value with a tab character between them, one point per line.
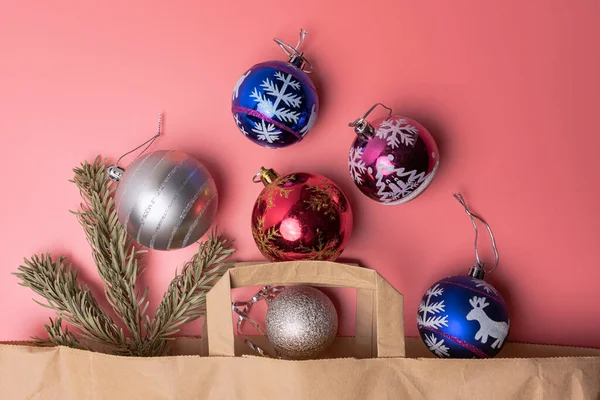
487	326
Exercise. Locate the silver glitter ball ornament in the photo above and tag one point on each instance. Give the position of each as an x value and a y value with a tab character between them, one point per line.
165	199
301	322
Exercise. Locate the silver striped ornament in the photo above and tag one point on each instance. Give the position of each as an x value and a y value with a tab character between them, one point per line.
165	199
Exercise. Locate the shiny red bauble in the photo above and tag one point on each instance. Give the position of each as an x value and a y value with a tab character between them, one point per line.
300	216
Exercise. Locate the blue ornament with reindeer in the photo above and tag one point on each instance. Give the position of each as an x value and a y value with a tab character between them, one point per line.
275	103
463	316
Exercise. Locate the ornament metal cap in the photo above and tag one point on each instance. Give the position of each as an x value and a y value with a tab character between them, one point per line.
266	176
296	56
477	271
362	128
115	172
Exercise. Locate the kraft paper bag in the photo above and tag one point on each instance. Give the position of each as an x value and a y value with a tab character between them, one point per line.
377	364
379	312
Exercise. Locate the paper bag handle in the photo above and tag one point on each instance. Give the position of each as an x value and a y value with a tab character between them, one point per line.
376	299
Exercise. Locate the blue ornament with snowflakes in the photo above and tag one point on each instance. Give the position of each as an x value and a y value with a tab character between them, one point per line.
464	316
275	103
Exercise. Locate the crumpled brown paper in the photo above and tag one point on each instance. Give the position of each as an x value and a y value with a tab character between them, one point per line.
524	371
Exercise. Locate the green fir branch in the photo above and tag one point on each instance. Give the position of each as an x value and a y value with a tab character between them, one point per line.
57	335
115	254
57	283
119	263
185	299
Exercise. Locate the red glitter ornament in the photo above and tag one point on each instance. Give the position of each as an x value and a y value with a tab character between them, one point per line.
300	216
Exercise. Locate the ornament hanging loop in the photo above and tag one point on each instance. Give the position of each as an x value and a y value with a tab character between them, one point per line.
256	177
265	176
115	172
478	271
296	56
362	127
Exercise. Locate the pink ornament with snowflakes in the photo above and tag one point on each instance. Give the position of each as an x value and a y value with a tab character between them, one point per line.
392	160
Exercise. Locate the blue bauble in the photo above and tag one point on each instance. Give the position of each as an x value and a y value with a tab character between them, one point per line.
463	317
275	104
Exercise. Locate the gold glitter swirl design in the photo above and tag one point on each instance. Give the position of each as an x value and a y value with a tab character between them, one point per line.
269	195
323	198
327	252
264	240
286	179
324	250
276	189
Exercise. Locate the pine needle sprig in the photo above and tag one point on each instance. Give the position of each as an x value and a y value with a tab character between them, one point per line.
56	282
57	335
115	254
119	262
185	299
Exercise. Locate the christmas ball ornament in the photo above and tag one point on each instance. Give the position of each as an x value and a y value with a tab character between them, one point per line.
300	216
464	316
165	199
393	159
301	322
275	103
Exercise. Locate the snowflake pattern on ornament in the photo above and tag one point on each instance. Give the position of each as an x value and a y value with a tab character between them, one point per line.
266	131
236	89
311	121
396	132
356	165
437	346
435	307
395	183
272	96
485	286
239	124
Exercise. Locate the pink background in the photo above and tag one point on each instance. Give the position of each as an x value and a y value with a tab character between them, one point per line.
509	89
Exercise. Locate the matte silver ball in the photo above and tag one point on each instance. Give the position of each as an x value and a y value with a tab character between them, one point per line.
301	322
166	200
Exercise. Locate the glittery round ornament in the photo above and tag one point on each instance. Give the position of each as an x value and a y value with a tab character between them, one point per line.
300	216
301	322
166	200
275	103
393	159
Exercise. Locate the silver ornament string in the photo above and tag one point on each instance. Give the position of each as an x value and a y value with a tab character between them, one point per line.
296	56
301	38
147	143
473	217
242	308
